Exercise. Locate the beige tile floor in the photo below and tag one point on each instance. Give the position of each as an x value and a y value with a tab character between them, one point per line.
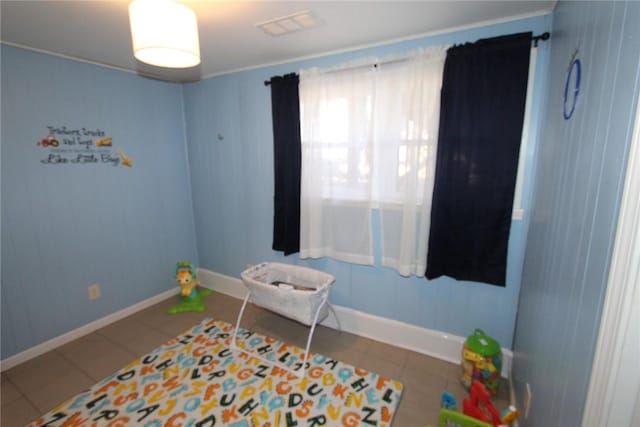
37	385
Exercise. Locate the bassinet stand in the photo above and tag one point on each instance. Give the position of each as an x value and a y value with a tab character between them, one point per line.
301	372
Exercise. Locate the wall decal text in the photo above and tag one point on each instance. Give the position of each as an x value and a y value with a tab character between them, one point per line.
66	145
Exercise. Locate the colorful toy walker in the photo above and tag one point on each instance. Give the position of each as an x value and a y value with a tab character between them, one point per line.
478	411
189	293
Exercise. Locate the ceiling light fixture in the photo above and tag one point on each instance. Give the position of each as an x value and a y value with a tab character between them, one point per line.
164	33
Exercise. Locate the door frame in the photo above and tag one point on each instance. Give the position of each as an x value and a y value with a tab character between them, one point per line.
614	386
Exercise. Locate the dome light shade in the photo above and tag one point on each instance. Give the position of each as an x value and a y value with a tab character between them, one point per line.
164	33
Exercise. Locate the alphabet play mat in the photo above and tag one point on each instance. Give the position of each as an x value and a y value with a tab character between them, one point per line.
195	379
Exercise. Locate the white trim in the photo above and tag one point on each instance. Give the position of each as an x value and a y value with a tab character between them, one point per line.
512	399
140	73
71	58
220	283
415	338
386	42
614	388
60	340
422	340
299	58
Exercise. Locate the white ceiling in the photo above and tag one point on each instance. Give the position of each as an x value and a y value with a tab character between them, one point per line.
98	31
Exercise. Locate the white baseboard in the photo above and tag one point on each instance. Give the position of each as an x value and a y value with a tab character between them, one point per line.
411	337
512	399
74	334
415	338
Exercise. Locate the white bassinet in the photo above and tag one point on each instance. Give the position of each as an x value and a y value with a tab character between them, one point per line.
296	292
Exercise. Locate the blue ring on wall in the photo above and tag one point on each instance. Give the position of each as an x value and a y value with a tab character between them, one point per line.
577	66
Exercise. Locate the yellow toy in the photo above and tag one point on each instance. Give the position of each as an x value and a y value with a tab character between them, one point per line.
509	415
189	293
187	281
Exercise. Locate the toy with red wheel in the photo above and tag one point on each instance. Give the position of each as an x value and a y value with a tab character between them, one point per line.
479	405
47	141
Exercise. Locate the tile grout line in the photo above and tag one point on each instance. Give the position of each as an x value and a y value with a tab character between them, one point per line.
77	366
20	393
23	395
338	340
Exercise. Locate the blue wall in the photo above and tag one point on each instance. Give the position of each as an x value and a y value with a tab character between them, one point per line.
232	182
578	189
67	226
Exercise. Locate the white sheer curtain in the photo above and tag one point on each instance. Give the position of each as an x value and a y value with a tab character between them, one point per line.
369	139
335	195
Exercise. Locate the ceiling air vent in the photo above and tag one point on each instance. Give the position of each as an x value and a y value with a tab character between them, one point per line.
289	24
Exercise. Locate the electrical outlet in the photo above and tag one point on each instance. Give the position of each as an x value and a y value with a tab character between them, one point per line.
527	400
94	291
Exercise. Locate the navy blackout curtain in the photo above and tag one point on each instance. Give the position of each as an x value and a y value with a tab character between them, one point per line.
285	110
481	115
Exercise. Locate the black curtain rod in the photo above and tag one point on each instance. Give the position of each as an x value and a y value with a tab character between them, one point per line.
544	36
268	82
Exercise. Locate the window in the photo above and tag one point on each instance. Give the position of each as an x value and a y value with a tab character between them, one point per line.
369	136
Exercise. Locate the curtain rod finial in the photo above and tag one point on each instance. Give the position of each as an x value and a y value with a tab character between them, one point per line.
544	36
